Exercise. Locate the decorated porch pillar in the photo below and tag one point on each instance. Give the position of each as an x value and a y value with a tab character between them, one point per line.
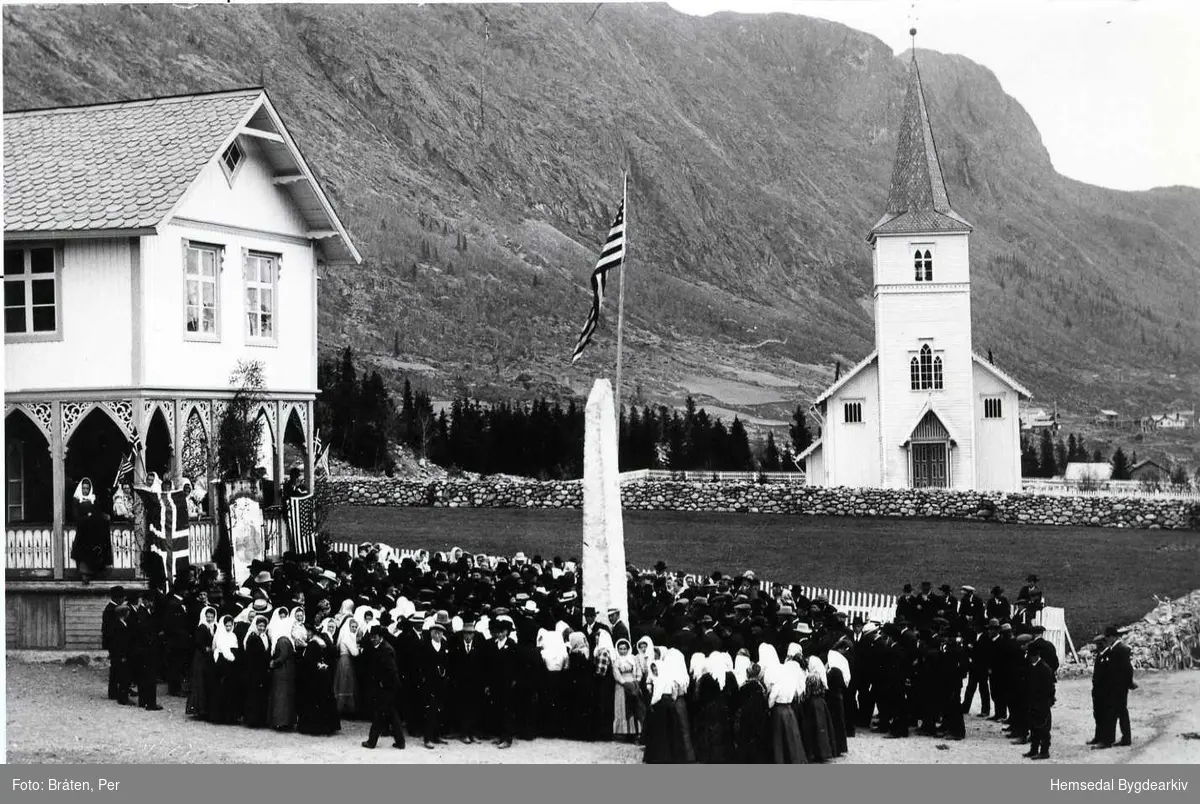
58	457
178	427
280	429
310	459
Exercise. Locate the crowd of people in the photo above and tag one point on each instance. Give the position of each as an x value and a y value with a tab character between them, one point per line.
710	669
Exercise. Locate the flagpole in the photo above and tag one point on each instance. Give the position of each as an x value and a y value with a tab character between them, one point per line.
621	292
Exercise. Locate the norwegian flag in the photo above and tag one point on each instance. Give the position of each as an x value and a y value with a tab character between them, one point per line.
167	531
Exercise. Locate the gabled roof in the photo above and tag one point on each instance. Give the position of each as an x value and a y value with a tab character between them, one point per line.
809	450
1003	377
929	409
1145	463
125	167
917	200
831	390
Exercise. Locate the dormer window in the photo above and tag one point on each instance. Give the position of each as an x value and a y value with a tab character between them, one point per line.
923	265
231	160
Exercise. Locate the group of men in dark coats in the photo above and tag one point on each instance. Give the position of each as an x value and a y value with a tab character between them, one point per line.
1112	679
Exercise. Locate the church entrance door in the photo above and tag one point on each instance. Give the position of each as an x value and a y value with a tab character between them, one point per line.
929	466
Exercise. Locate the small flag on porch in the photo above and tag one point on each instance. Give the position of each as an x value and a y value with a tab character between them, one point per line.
125	468
322	453
301	516
611	257
167	531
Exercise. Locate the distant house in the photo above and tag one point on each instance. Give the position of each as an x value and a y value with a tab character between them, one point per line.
1148	470
1088	471
1108	417
1179	420
1038	419
1151	422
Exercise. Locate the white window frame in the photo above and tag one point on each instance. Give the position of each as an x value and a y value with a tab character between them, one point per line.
999	400
230	175
218	251
248	284
928	261
27	279
846	408
937	368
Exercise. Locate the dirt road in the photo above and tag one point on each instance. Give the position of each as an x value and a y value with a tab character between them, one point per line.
61	714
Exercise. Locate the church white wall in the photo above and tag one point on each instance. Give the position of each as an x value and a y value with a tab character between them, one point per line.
815	468
894	258
175	362
998	441
95	350
852	452
908	314
252	201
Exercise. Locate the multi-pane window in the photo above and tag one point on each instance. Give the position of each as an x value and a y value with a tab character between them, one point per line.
853	412
923	265
31	277
991	408
232	159
925	371
202	291
259	273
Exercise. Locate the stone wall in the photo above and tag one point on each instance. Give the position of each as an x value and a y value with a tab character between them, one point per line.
775	498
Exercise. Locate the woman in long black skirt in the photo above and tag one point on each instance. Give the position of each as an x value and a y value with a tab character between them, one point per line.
256	652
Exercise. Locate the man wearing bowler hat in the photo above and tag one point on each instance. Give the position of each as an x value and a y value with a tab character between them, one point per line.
385	687
435	678
502	679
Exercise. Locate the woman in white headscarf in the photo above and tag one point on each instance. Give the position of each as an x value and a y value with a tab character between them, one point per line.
683	748
316	708
576	699
281	703
741	665
256	654
345	611
837	697
768	662
603	688
712	725
817	724
225	695
202	664
91	549
787	748
345	677
696	672
628	704
667	736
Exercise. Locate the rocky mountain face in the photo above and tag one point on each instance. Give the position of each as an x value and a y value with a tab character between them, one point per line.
479	176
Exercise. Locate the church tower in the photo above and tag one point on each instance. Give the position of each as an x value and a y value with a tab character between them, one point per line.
922	300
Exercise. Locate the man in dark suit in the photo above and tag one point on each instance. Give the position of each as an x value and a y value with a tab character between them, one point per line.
119	643
108	622
997	607
709	642
979	651
468	676
1041	686
970	612
146	648
435	678
1114	692
385	686
906	604
619	629
505	667
177	636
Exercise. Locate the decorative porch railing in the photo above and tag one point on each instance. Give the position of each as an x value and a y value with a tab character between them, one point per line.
29	547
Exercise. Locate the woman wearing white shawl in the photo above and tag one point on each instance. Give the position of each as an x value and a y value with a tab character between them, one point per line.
345	611
837	676
279	626
84	492
300	631
256	651
712	727
553	649
768	662
345	676
816	722
202	664
696	669
281	703
225	696
741	665
786	746
667	738
628	703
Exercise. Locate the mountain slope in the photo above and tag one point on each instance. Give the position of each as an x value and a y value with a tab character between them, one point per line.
760	149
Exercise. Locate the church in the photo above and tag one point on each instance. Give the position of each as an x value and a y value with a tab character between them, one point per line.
922	410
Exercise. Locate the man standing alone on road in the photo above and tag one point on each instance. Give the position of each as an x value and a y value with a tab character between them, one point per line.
385	687
1111	682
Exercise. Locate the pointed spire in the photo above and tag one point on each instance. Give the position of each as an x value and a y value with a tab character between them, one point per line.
917	200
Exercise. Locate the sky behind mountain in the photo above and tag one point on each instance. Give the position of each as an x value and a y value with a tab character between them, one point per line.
1107	81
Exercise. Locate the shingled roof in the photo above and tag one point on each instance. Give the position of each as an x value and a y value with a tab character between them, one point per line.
124	167
115	166
917	200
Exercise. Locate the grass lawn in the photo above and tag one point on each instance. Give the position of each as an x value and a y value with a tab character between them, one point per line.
1098	575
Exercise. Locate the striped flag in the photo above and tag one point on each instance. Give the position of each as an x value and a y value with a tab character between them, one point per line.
301	517
611	257
167	535
125	468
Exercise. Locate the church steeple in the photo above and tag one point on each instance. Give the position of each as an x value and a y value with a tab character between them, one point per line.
917	200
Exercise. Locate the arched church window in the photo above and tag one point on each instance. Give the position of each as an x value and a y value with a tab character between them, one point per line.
914	373
918	265
927	265
926	367
937	373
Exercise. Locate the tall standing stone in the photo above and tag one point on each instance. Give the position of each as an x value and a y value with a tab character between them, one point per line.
604	584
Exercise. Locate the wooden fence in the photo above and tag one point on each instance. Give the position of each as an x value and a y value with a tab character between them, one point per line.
642	475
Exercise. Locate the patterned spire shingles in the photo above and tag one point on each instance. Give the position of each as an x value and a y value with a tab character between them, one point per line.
917	200
116	166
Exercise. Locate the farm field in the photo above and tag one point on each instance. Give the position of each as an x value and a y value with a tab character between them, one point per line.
1100	576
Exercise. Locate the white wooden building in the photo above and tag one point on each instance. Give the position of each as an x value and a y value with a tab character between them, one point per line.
922	410
148	247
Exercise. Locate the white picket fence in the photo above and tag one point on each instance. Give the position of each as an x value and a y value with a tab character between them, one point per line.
697	476
1106	488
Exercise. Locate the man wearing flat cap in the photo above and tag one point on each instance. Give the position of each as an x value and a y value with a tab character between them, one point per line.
970	610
